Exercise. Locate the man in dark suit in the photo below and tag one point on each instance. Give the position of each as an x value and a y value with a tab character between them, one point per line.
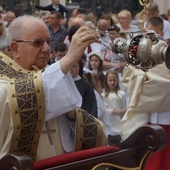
55	6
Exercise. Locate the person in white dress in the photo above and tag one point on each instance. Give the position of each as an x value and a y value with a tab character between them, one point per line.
94	81
114	99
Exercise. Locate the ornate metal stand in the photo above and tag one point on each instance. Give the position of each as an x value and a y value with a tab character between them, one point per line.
142	15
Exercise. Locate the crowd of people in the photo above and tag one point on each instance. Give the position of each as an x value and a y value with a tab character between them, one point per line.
63	62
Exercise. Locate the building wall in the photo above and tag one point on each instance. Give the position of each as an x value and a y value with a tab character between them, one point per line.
164	5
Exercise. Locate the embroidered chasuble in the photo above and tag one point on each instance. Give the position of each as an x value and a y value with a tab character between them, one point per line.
24	121
26	103
88	131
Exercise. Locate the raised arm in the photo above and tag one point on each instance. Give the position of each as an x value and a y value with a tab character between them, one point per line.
81	39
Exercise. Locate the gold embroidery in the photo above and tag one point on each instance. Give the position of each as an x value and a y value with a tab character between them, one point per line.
89	131
27	105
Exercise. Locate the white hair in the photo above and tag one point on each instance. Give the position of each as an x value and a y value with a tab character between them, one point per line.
17	27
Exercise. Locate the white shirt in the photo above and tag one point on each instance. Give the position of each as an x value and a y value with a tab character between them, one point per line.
166	30
133	31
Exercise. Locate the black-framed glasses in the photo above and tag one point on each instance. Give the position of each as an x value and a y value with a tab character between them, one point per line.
38	43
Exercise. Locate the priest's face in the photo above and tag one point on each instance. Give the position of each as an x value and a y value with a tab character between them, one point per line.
33	48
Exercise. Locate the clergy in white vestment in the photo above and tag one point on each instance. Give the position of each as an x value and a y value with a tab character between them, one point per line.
33	101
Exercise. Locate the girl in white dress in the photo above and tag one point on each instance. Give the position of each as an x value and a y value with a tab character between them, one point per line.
115	100
94	81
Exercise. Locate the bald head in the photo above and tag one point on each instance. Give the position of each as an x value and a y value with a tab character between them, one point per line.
10	16
102	24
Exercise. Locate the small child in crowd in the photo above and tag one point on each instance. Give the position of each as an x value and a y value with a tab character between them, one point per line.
95	62
94	81
115	99
95	65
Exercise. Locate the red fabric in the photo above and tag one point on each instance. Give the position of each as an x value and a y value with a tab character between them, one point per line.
89	50
160	160
73	156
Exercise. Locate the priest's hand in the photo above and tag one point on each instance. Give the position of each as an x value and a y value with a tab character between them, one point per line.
80	40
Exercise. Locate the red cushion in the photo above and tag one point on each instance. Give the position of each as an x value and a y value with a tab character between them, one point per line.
73	156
